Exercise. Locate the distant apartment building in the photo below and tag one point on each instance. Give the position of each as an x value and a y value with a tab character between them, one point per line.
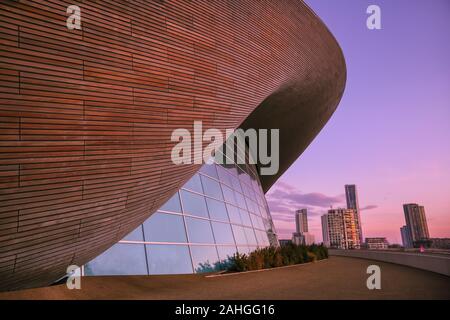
376	243
416	223
351	196
301	236
301	221
340	230
284	242
305	238
406	237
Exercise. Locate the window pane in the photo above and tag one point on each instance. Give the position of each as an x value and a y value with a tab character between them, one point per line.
260	223
263	211
250	236
199	231
239	235
232	169
245	218
212	188
249	205
264	238
135	235
233	213
222	233
120	259
224	176
245	190
194	184
236	184
252	248
210	170
217	210
251	193
256	208
173	204
194	204
228	194
164	227
254	221
257	222
243	176
243	249
204	258
226	252
240	200
168	259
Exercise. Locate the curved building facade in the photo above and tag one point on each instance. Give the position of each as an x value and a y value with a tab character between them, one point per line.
86	115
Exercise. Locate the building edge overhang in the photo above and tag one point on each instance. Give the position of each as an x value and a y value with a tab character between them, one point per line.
301	107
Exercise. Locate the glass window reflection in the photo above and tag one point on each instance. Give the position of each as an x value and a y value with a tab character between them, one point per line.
217	210
233	213
204	258
243	249
212	188
168	259
236	184
224	176
250	234
210	170
199	231
173	204
194	204
135	235
245	217
226	252
228	194
222	233
164	227
239	235
194	184
240	200
120	259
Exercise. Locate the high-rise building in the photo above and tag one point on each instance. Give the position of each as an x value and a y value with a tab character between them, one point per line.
304	238
301	221
301	234
325	230
340	230
351	195
416	222
406	237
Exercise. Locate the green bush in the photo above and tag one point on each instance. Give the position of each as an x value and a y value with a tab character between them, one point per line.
272	257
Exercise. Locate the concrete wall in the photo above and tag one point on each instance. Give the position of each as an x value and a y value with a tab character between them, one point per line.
427	262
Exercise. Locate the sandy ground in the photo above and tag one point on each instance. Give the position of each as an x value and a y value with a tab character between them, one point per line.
335	278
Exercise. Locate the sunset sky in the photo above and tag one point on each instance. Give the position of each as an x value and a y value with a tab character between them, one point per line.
390	134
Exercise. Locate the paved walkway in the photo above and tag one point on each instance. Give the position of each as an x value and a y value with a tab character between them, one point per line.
335	278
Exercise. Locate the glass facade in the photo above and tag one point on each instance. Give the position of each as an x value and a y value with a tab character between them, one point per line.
221	210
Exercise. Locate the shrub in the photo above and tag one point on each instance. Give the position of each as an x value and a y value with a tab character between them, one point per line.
238	263
271	257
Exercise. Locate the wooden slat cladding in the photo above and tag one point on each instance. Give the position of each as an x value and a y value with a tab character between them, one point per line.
86	115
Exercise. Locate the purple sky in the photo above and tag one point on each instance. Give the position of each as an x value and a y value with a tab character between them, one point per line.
390	134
